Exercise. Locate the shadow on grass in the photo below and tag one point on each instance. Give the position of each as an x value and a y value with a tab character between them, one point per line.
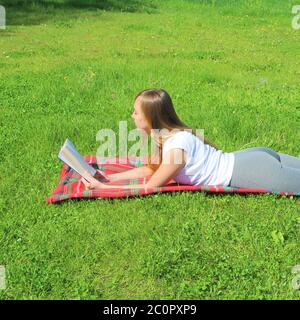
34	12
149	197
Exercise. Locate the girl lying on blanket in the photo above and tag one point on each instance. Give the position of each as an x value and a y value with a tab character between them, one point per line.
189	158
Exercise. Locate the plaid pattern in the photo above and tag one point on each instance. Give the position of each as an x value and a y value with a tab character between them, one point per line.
70	185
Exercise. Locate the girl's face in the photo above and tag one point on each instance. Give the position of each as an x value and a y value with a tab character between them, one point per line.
138	116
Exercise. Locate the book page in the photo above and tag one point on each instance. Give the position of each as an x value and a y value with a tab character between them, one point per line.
73	159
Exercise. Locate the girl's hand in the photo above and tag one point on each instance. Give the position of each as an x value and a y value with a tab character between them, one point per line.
93	184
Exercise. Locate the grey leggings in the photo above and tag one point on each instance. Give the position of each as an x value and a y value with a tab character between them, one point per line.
263	168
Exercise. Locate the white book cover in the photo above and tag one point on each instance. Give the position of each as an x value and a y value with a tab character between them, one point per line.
69	155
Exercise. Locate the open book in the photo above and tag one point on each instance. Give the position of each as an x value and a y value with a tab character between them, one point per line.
69	155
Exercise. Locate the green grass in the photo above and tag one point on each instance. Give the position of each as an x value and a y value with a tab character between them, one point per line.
231	68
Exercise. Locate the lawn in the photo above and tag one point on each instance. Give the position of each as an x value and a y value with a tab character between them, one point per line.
69	70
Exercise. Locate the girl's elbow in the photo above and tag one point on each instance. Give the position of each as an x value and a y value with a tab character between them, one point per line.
148	171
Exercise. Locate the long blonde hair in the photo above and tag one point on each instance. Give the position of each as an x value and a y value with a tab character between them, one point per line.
158	109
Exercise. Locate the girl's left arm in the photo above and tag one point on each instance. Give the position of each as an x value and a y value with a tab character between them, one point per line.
172	163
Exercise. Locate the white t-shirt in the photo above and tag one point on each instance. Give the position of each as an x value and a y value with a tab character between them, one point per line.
205	165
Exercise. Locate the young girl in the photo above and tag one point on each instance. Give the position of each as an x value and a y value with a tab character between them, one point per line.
200	160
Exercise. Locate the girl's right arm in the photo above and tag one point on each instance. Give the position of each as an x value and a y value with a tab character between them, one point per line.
139	172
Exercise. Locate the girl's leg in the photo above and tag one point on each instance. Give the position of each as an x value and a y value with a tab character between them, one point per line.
261	170
289	161
285	159
267	150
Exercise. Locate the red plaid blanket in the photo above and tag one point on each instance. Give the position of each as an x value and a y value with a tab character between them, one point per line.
70	185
